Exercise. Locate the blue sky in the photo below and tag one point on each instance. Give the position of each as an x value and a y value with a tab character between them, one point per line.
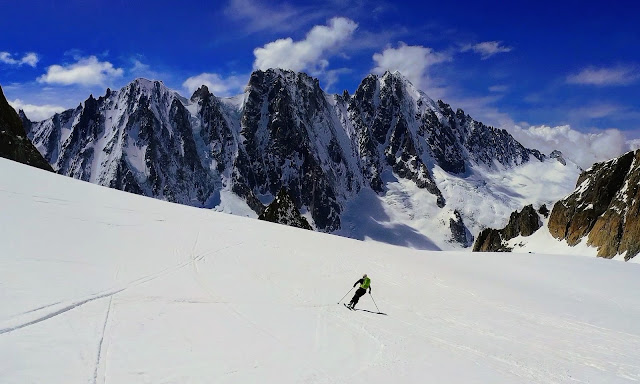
512	64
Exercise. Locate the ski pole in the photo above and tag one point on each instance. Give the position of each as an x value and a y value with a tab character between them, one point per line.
374	302
345	295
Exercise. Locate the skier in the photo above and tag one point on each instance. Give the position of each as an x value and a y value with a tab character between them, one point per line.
365	283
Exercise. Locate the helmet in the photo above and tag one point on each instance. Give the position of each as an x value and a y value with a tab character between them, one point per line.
364	276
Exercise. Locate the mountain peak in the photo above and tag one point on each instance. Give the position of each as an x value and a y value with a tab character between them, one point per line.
200	93
147	86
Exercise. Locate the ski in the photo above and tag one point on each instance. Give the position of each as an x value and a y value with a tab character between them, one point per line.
347	306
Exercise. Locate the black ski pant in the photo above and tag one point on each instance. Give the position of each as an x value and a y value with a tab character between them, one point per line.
356	297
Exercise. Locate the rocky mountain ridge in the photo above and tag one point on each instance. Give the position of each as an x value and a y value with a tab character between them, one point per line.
283	132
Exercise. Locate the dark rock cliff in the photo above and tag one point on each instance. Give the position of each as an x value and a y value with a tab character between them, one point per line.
14	143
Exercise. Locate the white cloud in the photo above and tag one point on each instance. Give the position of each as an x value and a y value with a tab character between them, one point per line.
36	112
620	75
218	85
413	61
595	111
259	17
487	48
86	71
140	69
30	58
582	148
308	54
499	88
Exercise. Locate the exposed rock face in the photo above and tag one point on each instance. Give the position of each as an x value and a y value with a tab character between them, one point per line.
524	223
605	207
283	210
14	144
558	156
292	141
543	210
459	232
490	240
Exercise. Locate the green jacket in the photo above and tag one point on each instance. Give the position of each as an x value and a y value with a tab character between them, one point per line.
364	283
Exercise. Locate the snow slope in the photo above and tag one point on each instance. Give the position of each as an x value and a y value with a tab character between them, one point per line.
103	286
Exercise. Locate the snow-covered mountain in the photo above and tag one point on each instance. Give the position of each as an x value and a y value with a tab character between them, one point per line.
101	286
387	163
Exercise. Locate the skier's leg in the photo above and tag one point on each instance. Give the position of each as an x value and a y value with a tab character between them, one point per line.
354	299
357	296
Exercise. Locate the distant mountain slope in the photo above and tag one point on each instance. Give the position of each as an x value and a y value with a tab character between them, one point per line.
388	138
14	143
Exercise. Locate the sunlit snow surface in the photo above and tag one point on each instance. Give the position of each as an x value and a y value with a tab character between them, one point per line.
102	286
408	216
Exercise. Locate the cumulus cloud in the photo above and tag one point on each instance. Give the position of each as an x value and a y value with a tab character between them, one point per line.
36	112
582	148
309	54
218	85
413	61
486	49
30	58
619	75
86	71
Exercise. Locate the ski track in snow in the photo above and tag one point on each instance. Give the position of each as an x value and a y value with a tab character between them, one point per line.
102	340
49	315
65	307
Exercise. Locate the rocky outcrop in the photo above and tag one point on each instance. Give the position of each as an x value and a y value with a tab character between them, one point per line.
14	143
459	232
544	211
605	208
283	210
523	223
558	156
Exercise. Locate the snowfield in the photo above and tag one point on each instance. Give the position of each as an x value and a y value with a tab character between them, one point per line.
102	286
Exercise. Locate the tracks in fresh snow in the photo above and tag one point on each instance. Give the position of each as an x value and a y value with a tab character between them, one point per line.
46	312
100	348
60	310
